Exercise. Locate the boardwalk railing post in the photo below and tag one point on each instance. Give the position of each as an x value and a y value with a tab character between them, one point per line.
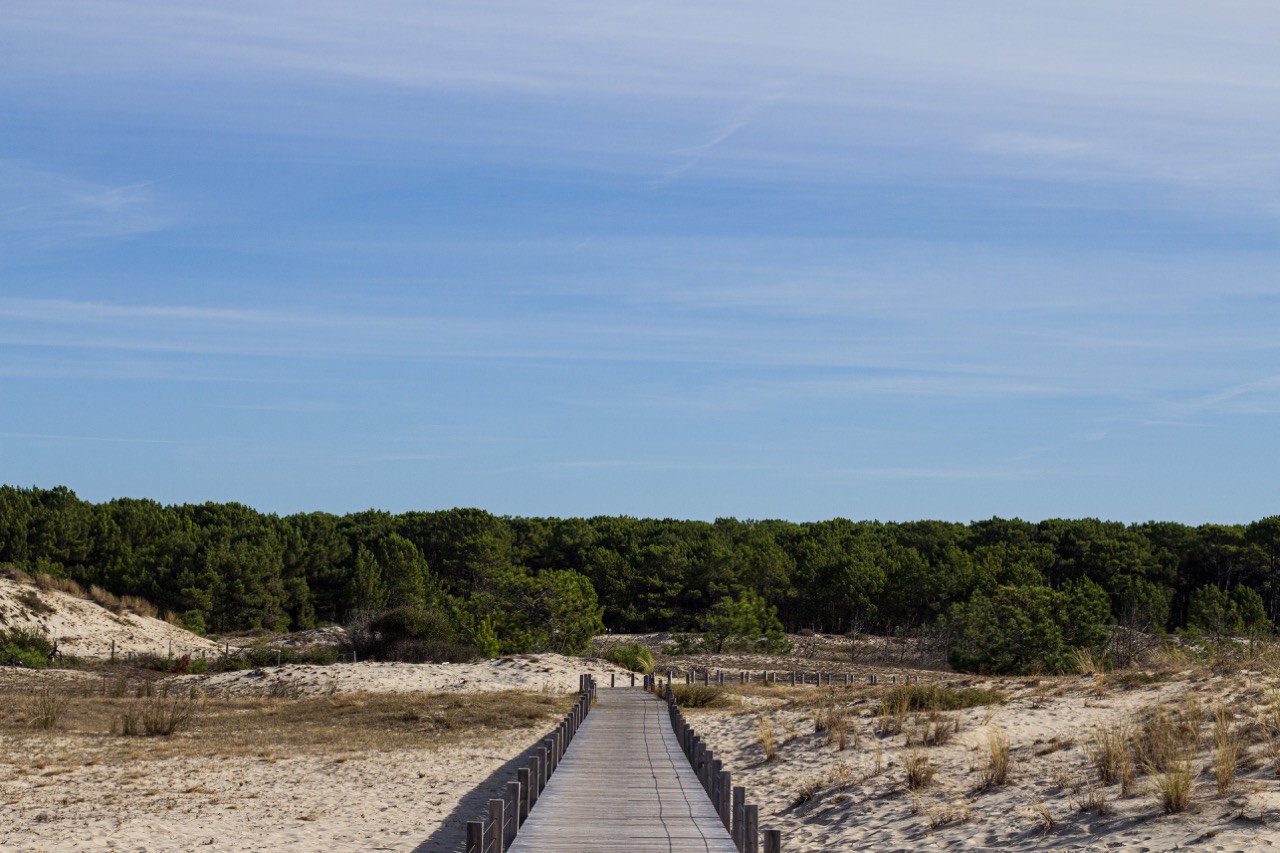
514	791
773	841
526	792
725	790
751	830
739	807
475	836
497	824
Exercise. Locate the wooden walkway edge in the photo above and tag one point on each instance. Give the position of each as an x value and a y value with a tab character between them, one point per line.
624	785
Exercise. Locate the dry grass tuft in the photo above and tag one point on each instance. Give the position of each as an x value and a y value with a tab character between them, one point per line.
894	708
919	771
156	716
1228	747
47	708
1174	786
806	791
764	728
1044	817
996	772
1108	751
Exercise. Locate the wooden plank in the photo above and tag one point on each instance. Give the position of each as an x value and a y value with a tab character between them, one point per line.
624	785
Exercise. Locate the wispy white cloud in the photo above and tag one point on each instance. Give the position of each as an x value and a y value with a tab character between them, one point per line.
1179	93
47	208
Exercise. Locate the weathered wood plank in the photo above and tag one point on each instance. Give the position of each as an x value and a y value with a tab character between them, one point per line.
624	785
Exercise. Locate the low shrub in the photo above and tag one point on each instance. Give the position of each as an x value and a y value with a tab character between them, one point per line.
47	708
632	656
156	716
408	634
698	696
932	697
25	647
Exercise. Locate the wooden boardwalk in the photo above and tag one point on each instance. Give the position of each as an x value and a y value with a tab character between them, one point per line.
624	785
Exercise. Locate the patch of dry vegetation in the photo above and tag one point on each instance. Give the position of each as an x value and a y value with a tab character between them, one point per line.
90	720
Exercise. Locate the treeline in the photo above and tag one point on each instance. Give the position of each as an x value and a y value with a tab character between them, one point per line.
545	583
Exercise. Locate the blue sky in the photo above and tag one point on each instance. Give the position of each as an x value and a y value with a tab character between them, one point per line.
875	260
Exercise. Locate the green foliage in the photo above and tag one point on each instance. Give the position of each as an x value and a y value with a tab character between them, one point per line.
1215	614
632	656
193	621
485	638
29	648
243	570
409	634
1028	629
745	623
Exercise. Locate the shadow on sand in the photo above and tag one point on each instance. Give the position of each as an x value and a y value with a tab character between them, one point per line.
451	836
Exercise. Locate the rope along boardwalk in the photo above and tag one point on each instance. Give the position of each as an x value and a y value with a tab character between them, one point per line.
624	786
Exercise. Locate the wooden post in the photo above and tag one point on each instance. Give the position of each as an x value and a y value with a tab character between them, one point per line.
475	836
725	789
846	679
497	824
751	830
113	651
523	774
739	807
513	791
539	771
713	783
773	841
793	679
706	677
613	679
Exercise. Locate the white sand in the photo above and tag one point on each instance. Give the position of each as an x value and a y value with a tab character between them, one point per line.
85	629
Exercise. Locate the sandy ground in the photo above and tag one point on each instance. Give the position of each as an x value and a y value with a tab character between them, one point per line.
825	798
70	790
64	791
85	629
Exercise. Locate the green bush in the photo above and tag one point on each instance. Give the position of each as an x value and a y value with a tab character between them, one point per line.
698	696
29	648
632	656
1015	630
411	635
931	697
